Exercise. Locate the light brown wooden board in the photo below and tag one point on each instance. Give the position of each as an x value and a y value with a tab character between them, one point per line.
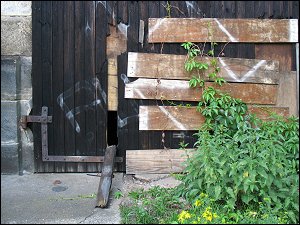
112	93
167	66
287	90
116	44
155	160
179	90
222	30
187	118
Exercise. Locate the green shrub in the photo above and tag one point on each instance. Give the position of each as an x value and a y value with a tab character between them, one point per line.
255	164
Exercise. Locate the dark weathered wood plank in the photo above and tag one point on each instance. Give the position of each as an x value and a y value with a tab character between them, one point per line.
122	112
132	45
106	177
101	64
167	66
91	81
143	137
47	73
180	91
156	160
122	11
58	82
79	25
223	30
37	80
187	118
68	96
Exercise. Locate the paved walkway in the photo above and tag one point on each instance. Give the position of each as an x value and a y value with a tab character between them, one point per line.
59	198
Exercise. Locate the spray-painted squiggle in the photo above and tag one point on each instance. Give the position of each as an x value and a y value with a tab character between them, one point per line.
122	27
93	89
133	103
231	38
192	8
106	6
176	122
125	78
246	75
87	27
124	122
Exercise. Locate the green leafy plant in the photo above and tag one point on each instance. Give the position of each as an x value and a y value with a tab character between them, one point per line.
118	194
244	169
240	160
155	206
183	145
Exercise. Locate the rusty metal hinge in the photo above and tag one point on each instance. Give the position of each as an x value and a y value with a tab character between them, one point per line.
35	119
44	119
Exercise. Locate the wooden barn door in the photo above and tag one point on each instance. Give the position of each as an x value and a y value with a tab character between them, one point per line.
70	82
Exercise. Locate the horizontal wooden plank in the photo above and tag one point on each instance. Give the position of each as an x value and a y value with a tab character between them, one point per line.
156	160
222	30
187	118
179	90
167	66
169	118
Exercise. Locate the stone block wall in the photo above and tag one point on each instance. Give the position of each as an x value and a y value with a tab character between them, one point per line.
17	155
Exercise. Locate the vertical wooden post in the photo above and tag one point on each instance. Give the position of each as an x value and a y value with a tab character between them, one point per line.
106	177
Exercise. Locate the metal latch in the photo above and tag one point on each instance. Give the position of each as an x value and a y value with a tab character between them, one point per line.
35	119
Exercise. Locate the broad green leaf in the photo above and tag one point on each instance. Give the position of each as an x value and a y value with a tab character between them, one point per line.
217	192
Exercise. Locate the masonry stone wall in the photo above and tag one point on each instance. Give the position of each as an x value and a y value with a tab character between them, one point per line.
17	155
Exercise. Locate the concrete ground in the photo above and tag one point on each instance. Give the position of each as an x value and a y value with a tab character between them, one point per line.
57	198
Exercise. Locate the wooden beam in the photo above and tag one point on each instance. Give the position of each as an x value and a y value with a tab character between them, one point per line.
167	66
169	118
112	93
116	45
156	160
287	90
187	118
222	30
179	90
106	177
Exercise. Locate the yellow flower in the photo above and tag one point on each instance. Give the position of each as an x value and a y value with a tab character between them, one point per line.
253	214
183	215
198	203
208	214
246	174
202	195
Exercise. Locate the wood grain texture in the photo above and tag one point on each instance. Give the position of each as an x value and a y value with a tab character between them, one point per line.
222	30
156	161
179	90
106	177
287	91
112	93
167	66
116	45
187	118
